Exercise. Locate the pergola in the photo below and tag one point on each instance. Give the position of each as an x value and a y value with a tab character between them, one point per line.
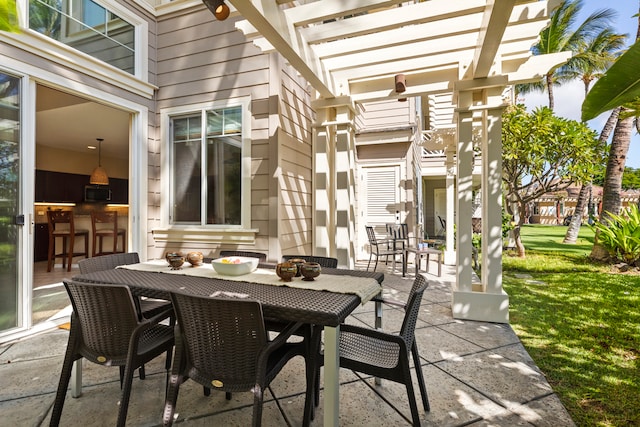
463	52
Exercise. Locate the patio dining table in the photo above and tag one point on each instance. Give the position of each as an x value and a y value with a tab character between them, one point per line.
298	301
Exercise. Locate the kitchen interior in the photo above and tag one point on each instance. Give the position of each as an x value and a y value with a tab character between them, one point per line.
67	126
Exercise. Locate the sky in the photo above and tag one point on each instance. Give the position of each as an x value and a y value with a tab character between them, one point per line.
569	97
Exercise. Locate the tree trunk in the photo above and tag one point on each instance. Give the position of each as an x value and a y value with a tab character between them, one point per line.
517	237
576	220
611	202
574	227
550	91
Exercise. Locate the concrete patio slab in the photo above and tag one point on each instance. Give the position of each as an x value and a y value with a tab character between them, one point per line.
477	374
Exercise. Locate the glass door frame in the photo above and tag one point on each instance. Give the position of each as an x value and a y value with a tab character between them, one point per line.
24	205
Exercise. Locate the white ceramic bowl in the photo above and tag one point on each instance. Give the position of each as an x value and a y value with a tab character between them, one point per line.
235	265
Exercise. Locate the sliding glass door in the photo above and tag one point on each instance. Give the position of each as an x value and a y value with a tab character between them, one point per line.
10	218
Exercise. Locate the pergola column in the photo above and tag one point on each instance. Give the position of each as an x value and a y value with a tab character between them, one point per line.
464	209
450	186
345	187
323	142
486	300
334	184
492	194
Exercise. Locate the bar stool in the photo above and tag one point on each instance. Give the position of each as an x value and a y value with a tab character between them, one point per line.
68	232
105	224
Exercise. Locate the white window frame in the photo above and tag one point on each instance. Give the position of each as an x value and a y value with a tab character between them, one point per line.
171	231
60	53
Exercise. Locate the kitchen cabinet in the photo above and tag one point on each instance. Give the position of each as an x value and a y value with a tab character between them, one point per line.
41	242
69	187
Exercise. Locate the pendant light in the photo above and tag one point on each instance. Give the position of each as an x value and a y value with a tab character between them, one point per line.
99	175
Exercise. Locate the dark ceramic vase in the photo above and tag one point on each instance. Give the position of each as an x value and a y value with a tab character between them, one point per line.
286	271
310	270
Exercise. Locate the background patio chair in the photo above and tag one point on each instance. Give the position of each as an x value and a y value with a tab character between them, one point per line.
105	329
443	226
379	248
222	344
384	355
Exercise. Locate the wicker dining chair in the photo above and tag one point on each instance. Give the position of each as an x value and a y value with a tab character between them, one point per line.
106	330
147	307
324	261
383	355
222	344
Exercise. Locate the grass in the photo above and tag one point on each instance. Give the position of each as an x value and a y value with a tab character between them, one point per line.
580	322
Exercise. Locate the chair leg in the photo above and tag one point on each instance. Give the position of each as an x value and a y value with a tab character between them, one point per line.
257	406
369	263
418	365
126	393
170	402
415	416
70	251
63	384
52	254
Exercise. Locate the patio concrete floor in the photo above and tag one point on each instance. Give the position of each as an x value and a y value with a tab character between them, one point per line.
477	374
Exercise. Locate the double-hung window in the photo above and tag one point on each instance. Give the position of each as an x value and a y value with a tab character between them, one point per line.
210	165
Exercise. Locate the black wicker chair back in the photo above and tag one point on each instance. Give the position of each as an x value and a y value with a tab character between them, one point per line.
262	257
106	330
146	307
107	262
222	344
324	261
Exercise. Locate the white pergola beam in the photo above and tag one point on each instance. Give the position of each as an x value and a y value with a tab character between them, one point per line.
271	23
430	11
494	23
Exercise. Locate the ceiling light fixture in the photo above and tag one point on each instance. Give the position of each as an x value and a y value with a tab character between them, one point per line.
219	9
99	175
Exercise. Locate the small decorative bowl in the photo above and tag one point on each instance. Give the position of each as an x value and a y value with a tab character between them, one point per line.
298	262
235	265
195	258
169	254
286	271
310	270
176	262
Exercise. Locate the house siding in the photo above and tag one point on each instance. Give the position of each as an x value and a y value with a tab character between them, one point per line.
202	60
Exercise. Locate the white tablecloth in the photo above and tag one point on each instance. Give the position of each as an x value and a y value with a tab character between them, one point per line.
364	287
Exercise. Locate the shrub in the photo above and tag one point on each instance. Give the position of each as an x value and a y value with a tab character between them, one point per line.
621	235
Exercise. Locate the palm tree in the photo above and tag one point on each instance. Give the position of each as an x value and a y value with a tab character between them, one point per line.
559	36
611	202
595	57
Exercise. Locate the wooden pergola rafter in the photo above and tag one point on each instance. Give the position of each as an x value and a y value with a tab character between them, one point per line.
355	48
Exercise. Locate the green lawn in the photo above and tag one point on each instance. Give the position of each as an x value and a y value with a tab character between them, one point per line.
581	324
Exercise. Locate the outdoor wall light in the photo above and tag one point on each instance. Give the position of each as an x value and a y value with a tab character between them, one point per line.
219	9
401	84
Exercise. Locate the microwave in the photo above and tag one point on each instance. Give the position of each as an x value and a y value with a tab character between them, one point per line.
97	193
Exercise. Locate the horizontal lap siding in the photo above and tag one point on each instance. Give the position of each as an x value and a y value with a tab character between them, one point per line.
386	114
200	60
